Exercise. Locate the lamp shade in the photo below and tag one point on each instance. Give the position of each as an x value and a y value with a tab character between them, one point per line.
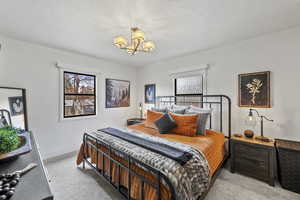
120	42
138	35
148	46
250	121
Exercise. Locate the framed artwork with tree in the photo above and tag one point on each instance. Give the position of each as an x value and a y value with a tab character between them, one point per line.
254	90
117	93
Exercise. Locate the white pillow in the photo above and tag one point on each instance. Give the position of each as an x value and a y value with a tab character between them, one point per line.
199	110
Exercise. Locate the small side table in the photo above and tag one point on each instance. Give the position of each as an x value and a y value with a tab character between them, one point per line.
133	121
254	158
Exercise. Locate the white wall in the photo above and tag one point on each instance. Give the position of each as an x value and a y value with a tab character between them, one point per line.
33	67
277	52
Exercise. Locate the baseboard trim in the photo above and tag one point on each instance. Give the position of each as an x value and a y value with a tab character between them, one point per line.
60	157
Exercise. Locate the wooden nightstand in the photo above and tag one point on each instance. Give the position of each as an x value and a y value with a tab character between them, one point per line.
253	158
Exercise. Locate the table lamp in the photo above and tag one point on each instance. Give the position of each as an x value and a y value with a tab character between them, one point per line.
252	119
141	110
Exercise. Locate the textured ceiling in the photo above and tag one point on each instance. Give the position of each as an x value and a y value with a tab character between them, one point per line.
176	26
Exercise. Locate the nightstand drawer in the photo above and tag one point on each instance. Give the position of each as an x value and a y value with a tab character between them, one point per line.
253	158
248	152
253	168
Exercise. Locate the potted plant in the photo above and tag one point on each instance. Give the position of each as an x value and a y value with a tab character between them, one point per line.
9	139
13	142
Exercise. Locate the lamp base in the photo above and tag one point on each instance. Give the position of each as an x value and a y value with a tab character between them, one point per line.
263	138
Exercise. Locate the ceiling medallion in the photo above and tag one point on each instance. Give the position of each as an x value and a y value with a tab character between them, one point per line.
137	44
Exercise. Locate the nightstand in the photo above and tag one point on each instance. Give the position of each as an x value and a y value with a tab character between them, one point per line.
253	158
133	121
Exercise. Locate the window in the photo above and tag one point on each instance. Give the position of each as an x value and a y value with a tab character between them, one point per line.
191	85
79	94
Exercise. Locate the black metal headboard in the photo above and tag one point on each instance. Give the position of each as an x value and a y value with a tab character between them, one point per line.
220	119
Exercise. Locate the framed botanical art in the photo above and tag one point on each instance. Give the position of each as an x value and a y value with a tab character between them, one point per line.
254	90
79	94
150	93
117	93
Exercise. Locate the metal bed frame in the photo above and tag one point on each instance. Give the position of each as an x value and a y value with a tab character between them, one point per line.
205	101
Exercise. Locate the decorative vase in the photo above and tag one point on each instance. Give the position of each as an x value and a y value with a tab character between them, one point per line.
249	133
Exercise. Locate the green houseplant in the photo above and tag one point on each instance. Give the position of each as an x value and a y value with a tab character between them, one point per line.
9	139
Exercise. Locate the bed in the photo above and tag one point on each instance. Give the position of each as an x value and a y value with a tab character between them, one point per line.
140	173
212	144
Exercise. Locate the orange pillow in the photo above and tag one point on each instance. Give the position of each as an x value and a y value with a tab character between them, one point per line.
151	118
186	124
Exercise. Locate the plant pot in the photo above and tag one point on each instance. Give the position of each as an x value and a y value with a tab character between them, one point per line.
24	147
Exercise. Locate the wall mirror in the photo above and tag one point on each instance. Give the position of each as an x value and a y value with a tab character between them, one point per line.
13	110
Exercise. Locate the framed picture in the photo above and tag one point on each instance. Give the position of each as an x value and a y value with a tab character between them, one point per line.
150	93
254	90
79	94
16	105
117	93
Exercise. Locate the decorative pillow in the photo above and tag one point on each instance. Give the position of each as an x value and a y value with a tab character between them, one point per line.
165	123
203	115
151	118
186	124
177	109
158	109
198	109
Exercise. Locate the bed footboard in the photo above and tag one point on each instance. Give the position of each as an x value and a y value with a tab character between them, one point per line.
91	143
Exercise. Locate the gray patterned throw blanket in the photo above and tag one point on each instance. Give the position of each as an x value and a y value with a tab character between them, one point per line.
190	181
169	151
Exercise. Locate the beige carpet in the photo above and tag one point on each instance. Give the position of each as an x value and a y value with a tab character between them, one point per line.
71	183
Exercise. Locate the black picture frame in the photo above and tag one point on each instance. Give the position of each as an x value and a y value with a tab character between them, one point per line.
254	90
25	114
150	93
16	105
112	99
79	97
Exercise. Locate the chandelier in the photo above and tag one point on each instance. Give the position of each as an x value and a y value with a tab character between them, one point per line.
137	42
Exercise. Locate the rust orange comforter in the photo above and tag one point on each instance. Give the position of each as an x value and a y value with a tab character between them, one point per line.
212	145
